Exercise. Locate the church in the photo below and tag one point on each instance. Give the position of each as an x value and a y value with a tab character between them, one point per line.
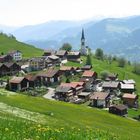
84	49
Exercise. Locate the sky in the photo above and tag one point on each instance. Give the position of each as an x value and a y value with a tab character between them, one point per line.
29	12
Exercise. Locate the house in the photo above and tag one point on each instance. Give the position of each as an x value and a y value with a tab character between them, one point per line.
9	68
127	88
49	77
100	99
130	81
64	93
112	77
52	60
37	63
18	83
6	58
74	56
33	80
17	55
49	52
67	70
120	109
84	96
88	83
14	68
62	54
131	100
76	86
89	74
86	67
4	70
111	85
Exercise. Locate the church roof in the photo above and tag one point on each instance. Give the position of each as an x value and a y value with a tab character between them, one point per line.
83	36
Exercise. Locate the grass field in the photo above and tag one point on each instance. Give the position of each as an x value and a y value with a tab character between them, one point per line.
65	115
9	44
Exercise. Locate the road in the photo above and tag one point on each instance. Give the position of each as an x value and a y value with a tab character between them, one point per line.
50	94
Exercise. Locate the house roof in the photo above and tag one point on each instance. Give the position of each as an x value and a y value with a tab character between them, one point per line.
130	96
78	83
119	107
88	73
84	94
16	80
9	64
37	59
54	57
110	84
30	77
85	79
61	52
73	53
130	81
72	84
127	86
62	89
86	67
99	95
68	68
49	73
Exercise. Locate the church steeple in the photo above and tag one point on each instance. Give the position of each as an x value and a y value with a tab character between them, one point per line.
83	36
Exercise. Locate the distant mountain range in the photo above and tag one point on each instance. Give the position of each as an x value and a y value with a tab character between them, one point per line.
118	36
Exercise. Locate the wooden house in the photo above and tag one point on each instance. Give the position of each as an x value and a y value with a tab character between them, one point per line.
64	93
18	83
52	60
49	77
49	52
62	54
33	80
111	85
84	96
131	100
127	88
5	58
100	99
120	109
73	56
67	70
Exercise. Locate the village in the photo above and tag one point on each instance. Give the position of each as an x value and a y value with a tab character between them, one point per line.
48	72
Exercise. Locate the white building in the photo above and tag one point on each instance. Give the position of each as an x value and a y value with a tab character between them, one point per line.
17	55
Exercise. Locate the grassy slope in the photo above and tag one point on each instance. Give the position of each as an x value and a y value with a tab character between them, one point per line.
68	115
7	44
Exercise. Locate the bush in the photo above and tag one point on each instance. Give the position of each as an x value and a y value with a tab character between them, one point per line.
104	74
99	54
121	62
136	68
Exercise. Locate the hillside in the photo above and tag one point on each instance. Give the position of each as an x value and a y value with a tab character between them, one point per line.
8	44
67	115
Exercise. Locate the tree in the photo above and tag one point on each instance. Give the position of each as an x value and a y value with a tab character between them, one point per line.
66	46
88	60
67	80
104	74
99	54
136	68
121	62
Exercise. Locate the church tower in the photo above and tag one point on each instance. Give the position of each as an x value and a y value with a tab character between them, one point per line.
84	48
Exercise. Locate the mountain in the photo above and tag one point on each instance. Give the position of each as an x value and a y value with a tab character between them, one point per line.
9	43
7	29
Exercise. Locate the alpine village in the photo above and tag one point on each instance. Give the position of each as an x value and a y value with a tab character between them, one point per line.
67	94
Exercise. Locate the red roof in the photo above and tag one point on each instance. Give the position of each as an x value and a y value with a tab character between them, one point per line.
78	83
88	73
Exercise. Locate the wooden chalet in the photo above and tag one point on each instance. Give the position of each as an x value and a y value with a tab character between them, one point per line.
67	70
112	77
131	100
18	84
5	58
49	77
49	52
100	99
120	109
52	60
64	93
73	56
127	88
111	85
33	80
62	54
